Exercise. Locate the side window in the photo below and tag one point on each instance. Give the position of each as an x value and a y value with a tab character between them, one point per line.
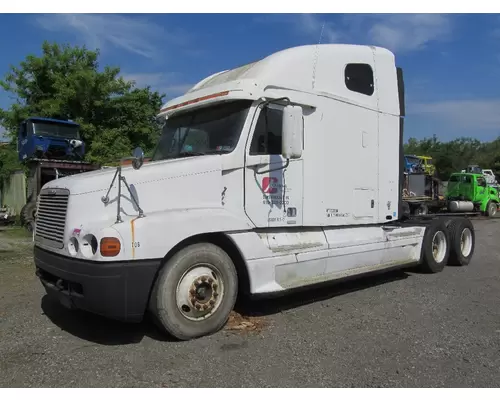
267	136
481	181
23	130
359	78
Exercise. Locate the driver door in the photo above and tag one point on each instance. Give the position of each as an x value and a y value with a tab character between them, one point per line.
273	194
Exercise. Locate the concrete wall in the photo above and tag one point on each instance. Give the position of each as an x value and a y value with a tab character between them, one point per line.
13	194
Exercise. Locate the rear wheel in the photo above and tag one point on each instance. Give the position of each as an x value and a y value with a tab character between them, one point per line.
195	292
462	241
435	247
422	210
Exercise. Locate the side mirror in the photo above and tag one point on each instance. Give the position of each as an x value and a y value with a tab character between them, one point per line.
292	132
138	158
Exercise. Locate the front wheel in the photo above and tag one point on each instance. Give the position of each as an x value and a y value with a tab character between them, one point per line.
28	215
491	209
195	292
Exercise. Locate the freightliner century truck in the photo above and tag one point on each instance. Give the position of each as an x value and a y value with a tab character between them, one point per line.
277	175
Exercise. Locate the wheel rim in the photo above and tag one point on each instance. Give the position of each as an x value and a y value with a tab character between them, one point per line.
493	209
199	292
466	242
439	246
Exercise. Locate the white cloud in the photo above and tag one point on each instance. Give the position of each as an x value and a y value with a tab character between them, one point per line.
312	26
462	114
135	35
308	25
398	32
168	83
408	32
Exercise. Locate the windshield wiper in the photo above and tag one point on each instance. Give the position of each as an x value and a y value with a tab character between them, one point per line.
196	153
190	153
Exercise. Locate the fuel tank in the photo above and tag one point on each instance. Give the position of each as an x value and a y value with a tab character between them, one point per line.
460	206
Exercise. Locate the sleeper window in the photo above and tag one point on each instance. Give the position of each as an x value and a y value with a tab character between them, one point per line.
359	78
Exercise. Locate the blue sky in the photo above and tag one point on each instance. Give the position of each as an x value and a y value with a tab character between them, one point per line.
451	62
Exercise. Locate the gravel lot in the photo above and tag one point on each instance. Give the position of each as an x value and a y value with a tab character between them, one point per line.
401	329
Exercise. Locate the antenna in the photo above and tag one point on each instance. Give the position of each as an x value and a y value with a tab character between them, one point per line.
316	56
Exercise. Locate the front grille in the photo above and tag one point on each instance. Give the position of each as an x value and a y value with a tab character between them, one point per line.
51	217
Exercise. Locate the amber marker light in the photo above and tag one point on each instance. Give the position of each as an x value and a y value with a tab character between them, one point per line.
110	247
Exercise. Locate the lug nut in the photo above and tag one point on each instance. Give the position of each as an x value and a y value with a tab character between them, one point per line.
215	286
212	302
216	294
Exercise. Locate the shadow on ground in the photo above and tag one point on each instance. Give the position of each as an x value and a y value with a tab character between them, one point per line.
97	329
249	315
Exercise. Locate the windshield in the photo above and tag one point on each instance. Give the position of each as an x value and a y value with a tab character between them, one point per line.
211	130
413	160
54	129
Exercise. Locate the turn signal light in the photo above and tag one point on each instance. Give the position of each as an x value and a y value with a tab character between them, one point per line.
110	247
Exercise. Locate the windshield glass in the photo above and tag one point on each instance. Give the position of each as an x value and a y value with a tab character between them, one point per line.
54	129
412	160
211	130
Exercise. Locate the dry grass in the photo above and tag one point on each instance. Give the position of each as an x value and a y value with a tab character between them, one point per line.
241	323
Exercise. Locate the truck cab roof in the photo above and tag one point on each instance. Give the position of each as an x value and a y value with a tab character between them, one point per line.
59	121
309	69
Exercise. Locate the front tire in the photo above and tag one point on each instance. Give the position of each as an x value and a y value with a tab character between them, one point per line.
28	215
491	209
435	248
195	292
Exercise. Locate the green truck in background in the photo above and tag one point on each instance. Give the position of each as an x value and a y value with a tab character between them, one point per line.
469	192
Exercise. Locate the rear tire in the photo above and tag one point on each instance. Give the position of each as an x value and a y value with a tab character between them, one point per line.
195	292
435	248
462	241
423	209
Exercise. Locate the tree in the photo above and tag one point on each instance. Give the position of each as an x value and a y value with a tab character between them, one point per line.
65	82
457	154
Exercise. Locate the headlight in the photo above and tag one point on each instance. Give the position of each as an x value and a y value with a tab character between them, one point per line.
89	245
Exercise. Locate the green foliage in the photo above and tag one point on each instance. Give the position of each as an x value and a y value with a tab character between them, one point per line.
8	162
65	82
457	154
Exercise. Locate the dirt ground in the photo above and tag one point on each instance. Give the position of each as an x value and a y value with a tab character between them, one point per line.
400	329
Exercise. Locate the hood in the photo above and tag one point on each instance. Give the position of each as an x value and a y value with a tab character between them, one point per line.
192	182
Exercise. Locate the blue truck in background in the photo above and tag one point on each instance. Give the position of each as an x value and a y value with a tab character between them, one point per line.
52	139
50	148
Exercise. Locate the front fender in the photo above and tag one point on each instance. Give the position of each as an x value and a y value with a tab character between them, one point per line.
153	236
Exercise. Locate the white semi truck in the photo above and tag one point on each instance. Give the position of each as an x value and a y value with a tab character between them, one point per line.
277	175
